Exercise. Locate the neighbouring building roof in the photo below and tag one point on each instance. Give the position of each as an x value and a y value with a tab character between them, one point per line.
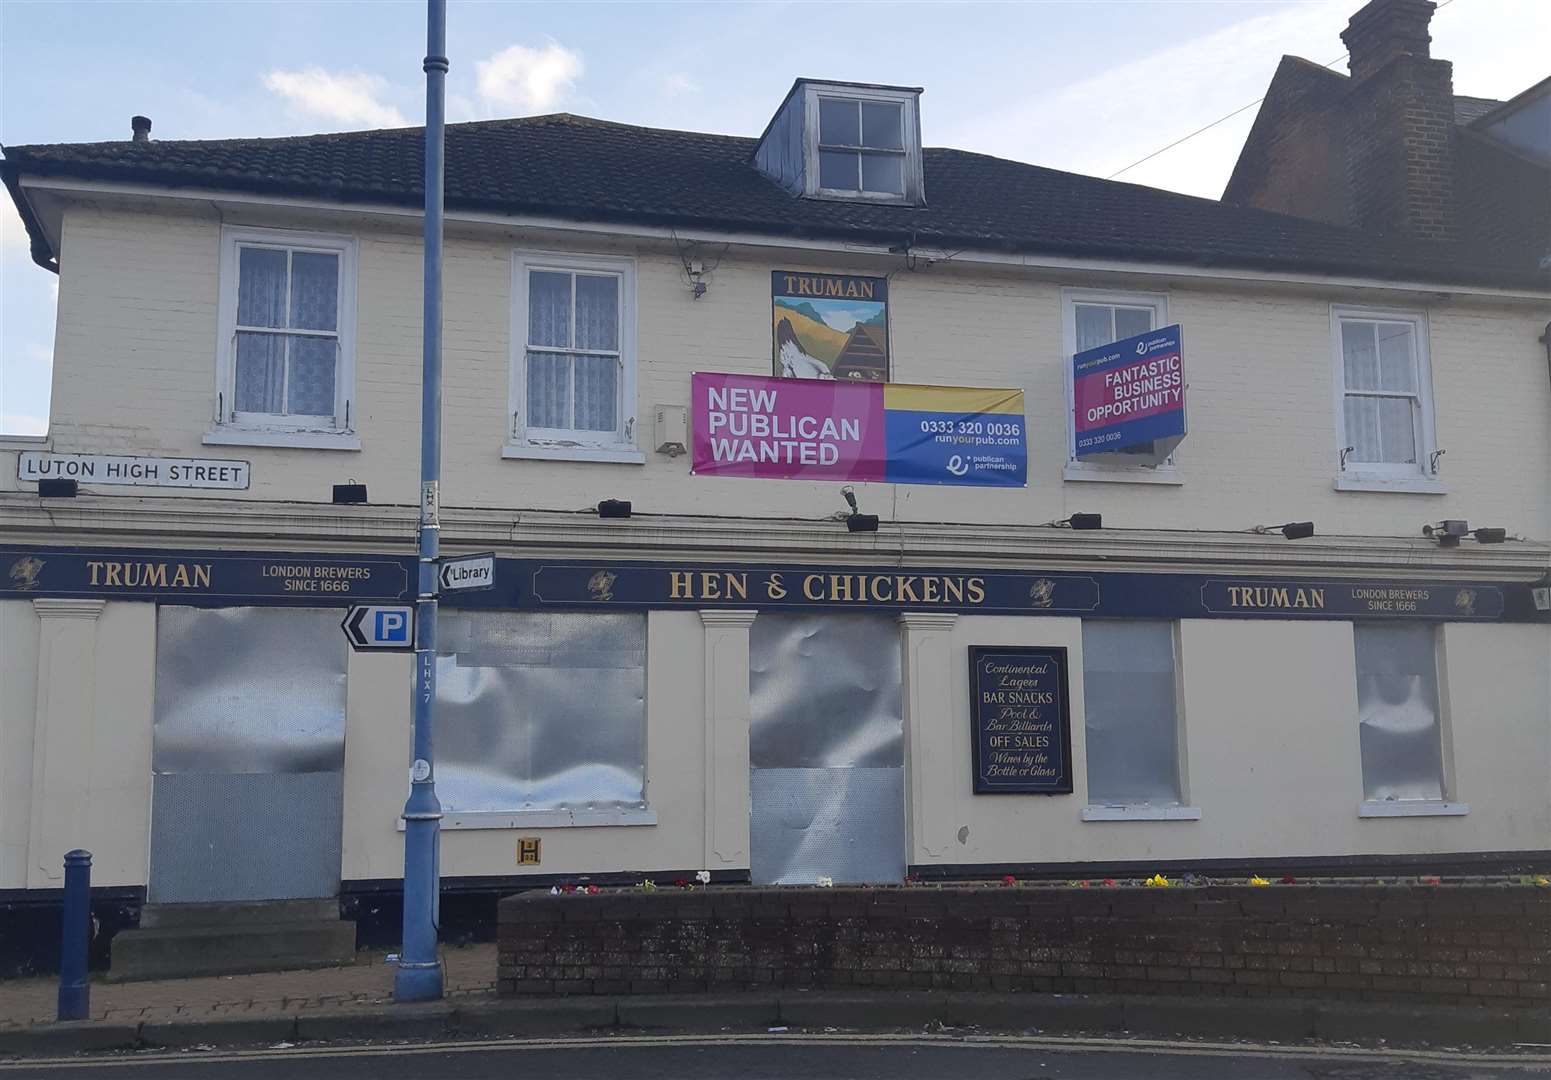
580	169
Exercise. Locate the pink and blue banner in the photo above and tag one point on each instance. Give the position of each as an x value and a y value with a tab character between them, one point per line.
1129	394
823	429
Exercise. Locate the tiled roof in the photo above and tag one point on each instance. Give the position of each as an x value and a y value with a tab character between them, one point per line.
580	169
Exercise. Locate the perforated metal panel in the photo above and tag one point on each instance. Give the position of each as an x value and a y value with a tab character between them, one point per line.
247	752
826	750
245	836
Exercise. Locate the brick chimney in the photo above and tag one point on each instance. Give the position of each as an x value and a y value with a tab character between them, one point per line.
140	128
1400	123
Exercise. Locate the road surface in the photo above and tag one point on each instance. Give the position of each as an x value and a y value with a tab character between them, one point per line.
781	1056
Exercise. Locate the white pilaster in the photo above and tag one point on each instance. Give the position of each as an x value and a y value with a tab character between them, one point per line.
61	741
727	738
931	761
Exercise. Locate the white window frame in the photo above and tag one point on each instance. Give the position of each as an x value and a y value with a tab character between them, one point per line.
910	121
1417	478
566	444
232	428
1167	471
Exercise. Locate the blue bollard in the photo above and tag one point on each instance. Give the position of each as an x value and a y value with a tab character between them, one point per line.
74	991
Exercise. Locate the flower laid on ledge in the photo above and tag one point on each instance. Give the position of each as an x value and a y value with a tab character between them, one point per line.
1258	880
1009	880
1109	883
1157	881
1430	879
1543	881
1082	884
703	876
593	890
825	881
648	885
1288	879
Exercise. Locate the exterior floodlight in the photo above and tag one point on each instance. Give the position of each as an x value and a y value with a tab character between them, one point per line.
1447	532
861	522
349	493
58	489
1083	521
1293	530
614	508
1490	536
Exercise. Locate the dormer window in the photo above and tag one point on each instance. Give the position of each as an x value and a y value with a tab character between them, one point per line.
846	141
861	147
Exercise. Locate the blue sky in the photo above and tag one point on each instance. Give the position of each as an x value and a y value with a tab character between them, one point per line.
1085	85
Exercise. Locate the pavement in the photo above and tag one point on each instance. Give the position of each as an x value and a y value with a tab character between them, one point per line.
25	1003
320	1011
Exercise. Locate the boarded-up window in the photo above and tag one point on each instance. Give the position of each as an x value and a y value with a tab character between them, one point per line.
540	712
1397	709
1130	715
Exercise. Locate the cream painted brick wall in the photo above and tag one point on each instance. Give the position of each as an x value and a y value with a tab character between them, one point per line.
137	336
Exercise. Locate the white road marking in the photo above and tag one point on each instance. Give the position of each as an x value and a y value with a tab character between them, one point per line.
1526	1062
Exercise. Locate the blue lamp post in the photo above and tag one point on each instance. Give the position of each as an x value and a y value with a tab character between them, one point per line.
419	976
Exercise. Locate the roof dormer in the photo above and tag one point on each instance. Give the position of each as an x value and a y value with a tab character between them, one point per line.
848	141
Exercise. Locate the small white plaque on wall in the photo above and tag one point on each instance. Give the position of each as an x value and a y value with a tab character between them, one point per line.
36	465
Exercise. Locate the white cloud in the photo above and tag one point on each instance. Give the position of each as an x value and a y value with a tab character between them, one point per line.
677	84
528	80
13	234
349	98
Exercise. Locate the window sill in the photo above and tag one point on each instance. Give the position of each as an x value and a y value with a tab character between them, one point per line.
1391	808
1409	485
301	440
1141	812
627	455
545	819
1163	474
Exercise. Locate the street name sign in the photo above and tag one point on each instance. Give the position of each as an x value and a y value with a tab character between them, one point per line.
380	627
468	572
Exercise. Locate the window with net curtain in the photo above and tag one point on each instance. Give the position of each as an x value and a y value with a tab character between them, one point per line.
1101	323
286	342
1131	719
1397	711
573	355
1381	393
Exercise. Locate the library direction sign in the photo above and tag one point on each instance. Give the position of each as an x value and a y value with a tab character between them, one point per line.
1021	720
467	572
120	469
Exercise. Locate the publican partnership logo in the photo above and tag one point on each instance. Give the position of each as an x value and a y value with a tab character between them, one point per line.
1042	593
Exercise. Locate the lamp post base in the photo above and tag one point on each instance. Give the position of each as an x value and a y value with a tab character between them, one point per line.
418	982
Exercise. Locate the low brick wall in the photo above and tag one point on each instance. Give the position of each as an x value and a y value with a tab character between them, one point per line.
1446	944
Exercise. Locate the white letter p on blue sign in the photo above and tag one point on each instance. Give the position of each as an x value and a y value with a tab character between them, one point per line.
392	626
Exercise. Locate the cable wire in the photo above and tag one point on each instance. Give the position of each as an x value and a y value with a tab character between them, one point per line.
1229	116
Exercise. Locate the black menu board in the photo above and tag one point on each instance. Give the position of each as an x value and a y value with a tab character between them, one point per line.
1021	720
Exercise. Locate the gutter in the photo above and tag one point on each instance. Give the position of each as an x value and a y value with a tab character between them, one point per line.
41	252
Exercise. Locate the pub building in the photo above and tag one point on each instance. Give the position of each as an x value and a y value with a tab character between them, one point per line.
1164	535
